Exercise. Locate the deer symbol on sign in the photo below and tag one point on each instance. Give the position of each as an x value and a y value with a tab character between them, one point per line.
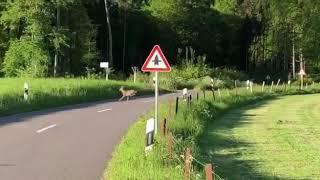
156	60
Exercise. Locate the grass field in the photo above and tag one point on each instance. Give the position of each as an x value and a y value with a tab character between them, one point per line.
45	93
190	128
277	139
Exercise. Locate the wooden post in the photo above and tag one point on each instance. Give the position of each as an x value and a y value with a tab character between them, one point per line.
187	168
263	83
177	105
164	127
170	145
213	95
208	170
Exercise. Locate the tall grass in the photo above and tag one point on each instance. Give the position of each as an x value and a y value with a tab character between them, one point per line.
129	160
45	93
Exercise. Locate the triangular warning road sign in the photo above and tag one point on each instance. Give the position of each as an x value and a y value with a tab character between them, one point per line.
302	72
156	61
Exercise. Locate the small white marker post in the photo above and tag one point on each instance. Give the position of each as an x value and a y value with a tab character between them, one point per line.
248	83
135	70
105	65
263	83
251	85
150	134
26	91
278	83
271	86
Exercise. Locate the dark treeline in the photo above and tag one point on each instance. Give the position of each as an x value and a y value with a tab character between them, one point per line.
58	37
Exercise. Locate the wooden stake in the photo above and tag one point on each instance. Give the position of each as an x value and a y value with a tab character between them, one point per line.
164	127
208	170
177	105
263	83
170	145
187	168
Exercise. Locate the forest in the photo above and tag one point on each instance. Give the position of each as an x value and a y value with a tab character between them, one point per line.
57	38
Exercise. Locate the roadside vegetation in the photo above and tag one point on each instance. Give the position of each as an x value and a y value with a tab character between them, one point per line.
45	93
188	127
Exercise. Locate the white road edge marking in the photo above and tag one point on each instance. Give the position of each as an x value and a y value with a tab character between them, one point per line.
104	110
148	101
46	128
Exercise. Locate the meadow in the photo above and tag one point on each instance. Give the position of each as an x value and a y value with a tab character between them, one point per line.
197	126
47	93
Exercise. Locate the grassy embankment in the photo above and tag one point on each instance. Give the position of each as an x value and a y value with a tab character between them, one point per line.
46	93
188	127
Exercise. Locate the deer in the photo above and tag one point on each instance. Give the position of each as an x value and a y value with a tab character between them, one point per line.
127	93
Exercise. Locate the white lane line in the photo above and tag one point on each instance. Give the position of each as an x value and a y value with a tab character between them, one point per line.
104	110
148	101
46	128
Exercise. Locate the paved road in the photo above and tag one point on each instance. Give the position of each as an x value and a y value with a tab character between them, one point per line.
71	143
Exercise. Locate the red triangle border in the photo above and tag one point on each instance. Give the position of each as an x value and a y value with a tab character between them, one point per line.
154	49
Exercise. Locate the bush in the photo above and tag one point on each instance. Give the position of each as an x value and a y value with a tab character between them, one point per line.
25	58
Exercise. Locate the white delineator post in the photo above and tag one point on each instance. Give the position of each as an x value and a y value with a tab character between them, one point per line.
156	92
26	91
149	134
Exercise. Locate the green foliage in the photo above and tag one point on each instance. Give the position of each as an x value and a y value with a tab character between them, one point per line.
25	58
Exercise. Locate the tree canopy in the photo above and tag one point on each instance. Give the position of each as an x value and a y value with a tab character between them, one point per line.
70	36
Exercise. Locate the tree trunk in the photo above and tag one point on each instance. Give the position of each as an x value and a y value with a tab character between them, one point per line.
124	39
293	62
56	56
110	60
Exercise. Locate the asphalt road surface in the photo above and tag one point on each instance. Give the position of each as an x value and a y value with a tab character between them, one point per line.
70	143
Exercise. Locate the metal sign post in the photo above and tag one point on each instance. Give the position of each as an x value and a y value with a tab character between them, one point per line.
156	62
156	92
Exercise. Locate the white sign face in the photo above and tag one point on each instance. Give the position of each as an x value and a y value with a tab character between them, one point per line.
156	61
150	125
104	64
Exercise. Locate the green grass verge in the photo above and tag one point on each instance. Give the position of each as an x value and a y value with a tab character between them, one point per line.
277	139
188	127
45	93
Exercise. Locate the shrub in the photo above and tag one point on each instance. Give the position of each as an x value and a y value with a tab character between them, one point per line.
25	58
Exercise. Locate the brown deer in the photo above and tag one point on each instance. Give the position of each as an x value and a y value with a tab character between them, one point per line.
127	93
